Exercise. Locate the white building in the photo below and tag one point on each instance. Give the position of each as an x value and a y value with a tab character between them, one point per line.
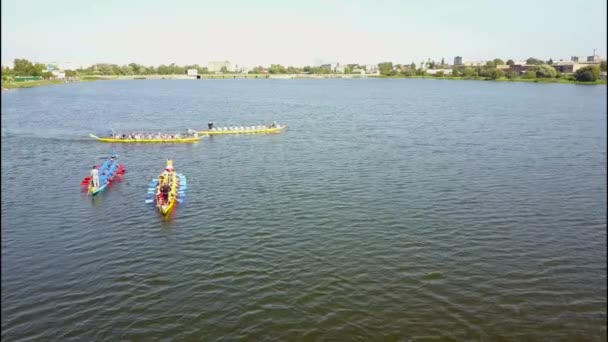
434	71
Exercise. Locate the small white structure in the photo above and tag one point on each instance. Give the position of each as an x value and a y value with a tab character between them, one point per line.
434	71
192	72
60	75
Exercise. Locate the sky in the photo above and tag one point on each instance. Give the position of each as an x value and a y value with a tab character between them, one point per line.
298	33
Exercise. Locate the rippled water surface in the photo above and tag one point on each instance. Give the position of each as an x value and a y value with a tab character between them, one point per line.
391	209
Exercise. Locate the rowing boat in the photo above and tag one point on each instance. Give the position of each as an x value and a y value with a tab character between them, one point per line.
146	140
108	171
243	131
177	184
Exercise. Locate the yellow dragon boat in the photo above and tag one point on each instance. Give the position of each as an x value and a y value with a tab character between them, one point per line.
147	140
263	130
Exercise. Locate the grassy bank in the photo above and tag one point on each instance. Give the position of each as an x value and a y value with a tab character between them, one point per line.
30	84
502	79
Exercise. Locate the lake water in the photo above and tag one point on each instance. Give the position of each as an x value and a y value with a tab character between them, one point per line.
391	209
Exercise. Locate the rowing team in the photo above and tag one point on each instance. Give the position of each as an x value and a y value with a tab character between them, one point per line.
165	182
159	135
243	128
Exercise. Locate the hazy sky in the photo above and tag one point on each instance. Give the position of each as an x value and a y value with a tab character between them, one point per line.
255	32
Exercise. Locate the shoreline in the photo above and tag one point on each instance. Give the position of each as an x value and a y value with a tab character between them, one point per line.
31	84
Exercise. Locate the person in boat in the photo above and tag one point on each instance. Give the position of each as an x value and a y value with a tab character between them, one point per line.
95	177
164	190
274	124
210	125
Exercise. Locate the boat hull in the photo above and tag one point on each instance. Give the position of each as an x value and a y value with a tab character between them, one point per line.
147	141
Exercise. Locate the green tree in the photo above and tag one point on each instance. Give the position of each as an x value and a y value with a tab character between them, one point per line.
469	72
530	74
550	61
38	69
22	67
409	72
163	70
544	71
455	72
420	72
587	74
534	61
126	70
603	66
510	62
223	69
490	64
511	75
495	73
6	71
70	73
47	75
277	69
386	68
498	61
442	62
439	74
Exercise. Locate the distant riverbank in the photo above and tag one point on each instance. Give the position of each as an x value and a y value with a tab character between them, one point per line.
502	79
14	85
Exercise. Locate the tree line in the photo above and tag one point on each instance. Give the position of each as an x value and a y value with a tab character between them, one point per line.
540	69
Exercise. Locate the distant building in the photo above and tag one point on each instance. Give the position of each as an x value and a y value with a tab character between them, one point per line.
568	67
54	69
457	60
589	59
217	66
519	68
60	75
372	69
192	72
330	66
434	71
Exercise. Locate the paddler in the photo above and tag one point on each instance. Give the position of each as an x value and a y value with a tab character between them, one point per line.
95	177
210	125
165	191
